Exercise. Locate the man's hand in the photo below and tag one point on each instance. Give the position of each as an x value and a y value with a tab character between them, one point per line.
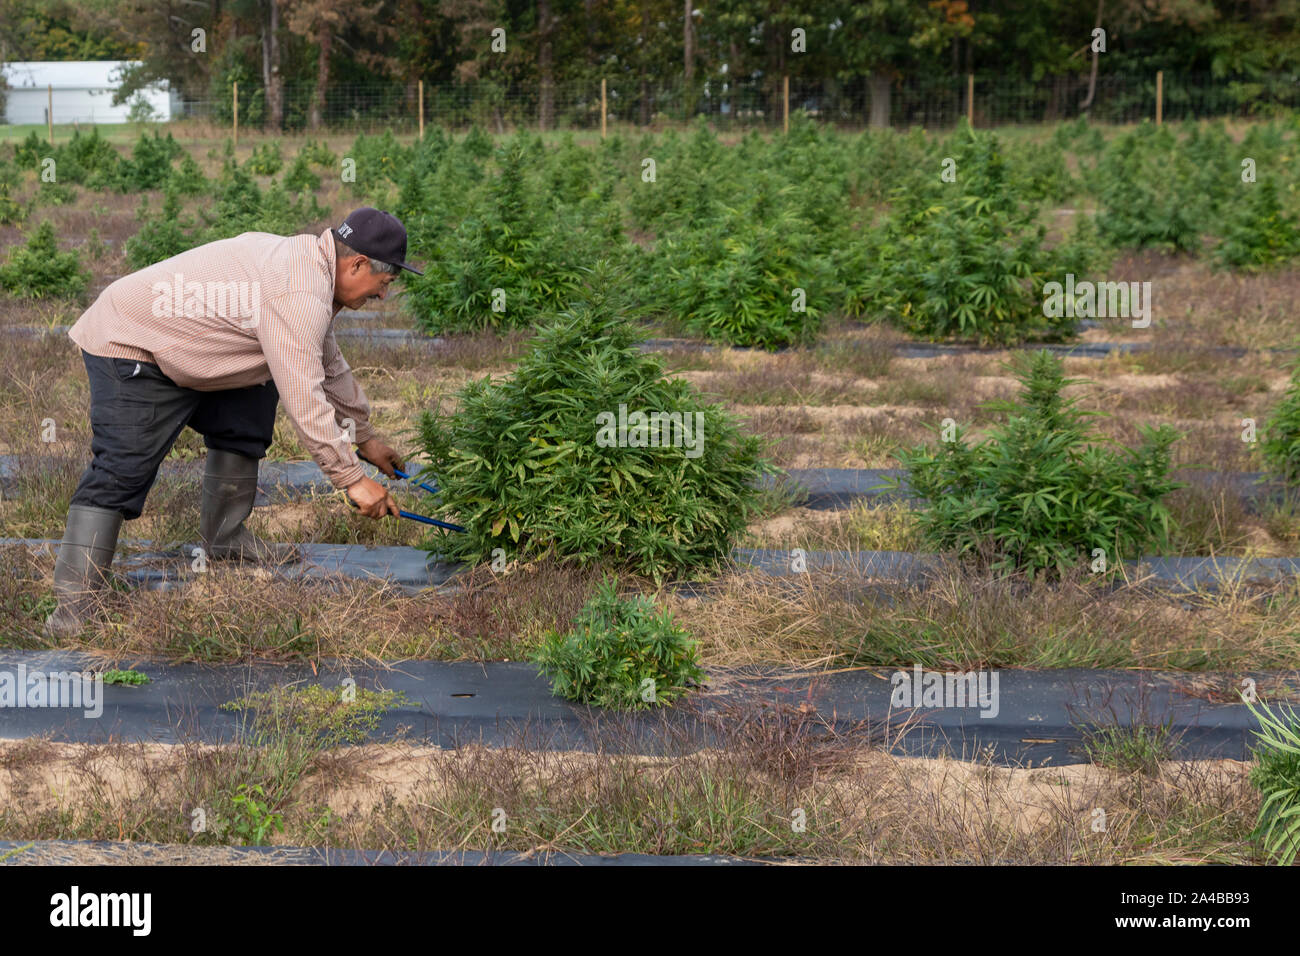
372	500
381	456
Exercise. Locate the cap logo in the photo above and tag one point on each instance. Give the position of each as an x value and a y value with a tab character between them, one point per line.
345	230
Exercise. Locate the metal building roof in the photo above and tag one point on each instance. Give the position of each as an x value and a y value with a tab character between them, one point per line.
65	74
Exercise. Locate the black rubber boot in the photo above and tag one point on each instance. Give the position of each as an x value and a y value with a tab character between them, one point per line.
82	568
229	487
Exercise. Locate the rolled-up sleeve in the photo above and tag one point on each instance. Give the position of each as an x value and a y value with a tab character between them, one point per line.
292	330
344	392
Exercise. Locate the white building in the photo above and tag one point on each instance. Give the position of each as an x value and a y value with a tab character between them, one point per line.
82	90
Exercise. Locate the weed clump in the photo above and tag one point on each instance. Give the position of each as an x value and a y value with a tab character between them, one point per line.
292	727
130	677
327	717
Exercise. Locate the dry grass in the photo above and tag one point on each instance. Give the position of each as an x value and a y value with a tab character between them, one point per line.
854	803
954	618
237	613
959	619
889	527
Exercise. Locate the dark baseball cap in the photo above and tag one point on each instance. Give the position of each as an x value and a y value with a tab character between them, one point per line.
377	234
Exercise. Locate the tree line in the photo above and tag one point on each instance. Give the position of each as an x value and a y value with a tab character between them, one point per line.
202	47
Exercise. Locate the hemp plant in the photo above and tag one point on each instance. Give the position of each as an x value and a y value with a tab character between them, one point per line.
967	259
1276	774
159	237
1280	444
1141	202
39	270
620	653
747	279
507	263
1044	492
1257	233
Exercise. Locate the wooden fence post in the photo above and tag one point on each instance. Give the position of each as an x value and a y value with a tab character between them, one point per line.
422	109
603	110
1160	96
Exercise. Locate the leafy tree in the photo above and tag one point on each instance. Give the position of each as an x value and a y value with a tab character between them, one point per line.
886	39
63	30
320	22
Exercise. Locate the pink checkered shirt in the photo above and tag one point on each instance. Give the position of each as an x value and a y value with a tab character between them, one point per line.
240	312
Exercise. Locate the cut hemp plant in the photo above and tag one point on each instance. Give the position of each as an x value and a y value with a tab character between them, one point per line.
589	452
1043	493
621	653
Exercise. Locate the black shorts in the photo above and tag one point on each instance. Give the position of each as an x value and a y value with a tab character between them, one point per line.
136	414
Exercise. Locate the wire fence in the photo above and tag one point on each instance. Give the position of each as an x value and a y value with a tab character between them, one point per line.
932	102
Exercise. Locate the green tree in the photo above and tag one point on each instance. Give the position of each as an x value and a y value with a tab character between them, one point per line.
886	39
